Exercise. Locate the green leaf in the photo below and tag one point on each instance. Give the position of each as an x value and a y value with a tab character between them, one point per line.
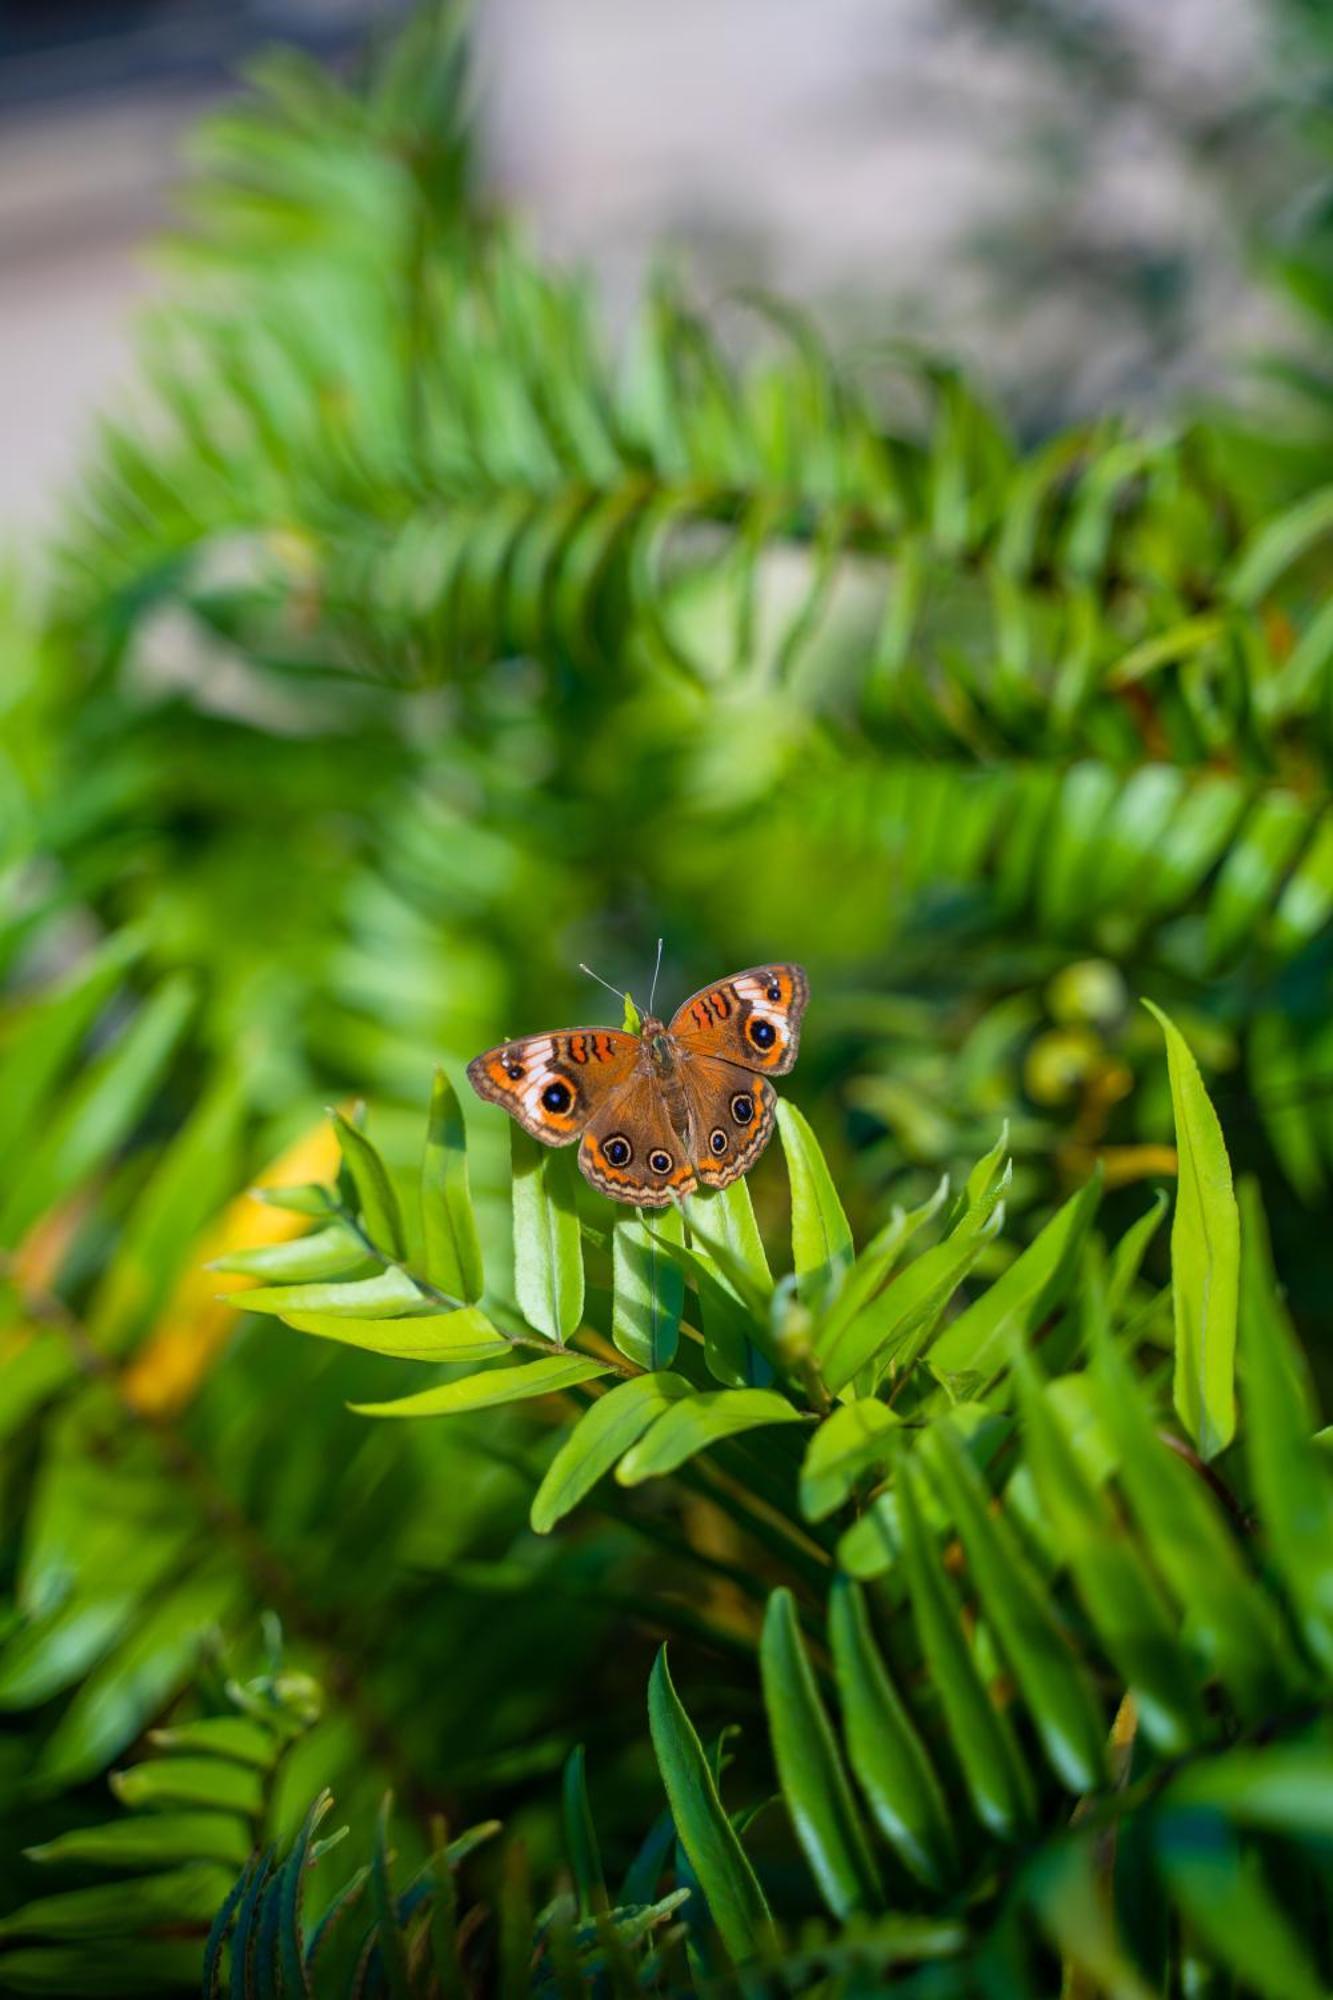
821	1237
735	1900
996	1776
387	1296
1128	1255
585	1857
886	1754
1222	1892
119	1909
548	1248
465	1335
497	1385
1010	1311
448	1224
1205	1256
873	1266
374	1191
232	1736
697	1421
1064	1711
814	1782
1121	1597
723	1220
1277	1788
850	1443
150	1840
1073	1909
648	1289
1230	1623
1292	1482
191	1781
602	1435
324	1253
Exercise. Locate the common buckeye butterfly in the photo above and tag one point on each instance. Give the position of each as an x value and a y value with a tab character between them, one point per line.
679	1105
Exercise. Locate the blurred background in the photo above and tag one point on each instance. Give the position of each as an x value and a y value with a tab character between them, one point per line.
1067	198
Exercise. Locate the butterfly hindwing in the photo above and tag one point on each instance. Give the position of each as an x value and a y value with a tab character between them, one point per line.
731	1118
554	1085
632	1152
753	1019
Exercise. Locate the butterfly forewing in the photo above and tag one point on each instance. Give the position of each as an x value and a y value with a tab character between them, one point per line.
554	1085
753	1018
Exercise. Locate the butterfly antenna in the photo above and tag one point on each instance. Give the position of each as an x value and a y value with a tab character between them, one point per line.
600	981
656	969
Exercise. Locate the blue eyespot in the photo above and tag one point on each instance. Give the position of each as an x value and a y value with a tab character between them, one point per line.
659	1161
718	1140
742	1107
618	1151
557	1097
762	1033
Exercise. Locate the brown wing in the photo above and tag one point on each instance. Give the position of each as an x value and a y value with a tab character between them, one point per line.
731	1118
554	1085
753	1019
632	1152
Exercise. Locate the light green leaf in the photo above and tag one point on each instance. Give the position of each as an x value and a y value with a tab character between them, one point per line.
1205	1256
216	1782
874	1265
847	1445
814	1782
465	1335
602	1435
390	1295
648	1288
886	1753
735	1900
374	1190
448	1224
983	1337
548	1248
497	1385
323	1253
151	1840
698	1421
821	1237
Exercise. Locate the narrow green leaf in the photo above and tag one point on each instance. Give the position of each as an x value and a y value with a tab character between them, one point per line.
151	1840
232	1736
191	1781
874	1265
648	1289
465	1335
113	1910
1122	1598
697	1421
585	1858
1230	1624
389	1935
374	1190
735	1900
602	1435
1292	1479
983	1337
1128	1255
1205	1256
1072	1908
548	1249
995	1774
1064	1711
448	1224
814	1782
821	1237
1284	1788
386	1296
497	1385
324	1253
886	1754
1225	1898
849	1444
723	1219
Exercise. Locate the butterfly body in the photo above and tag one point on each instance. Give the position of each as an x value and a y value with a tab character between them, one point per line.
659	1113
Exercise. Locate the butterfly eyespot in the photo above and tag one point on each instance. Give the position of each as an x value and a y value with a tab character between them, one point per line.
659	1161
618	1151
775	991
742	1107
718	1140
513	1071
557	1097
762	1033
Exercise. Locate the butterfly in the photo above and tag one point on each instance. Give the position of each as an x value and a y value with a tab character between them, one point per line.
681	1104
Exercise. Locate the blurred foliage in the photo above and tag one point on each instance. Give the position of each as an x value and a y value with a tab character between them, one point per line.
411	639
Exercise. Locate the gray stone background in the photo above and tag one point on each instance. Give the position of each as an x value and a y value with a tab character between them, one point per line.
1061	192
